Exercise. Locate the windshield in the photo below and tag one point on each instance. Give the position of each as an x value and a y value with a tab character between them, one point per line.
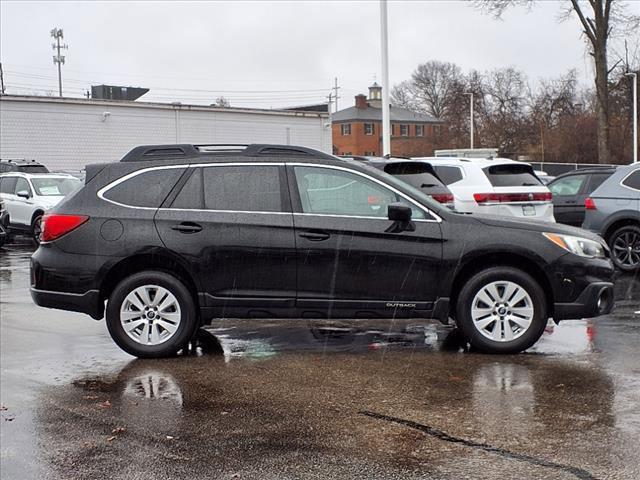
55	186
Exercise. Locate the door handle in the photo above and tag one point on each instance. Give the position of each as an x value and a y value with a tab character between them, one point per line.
187	227
315	236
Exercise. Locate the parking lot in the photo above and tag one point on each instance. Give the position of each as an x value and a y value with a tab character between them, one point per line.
307	399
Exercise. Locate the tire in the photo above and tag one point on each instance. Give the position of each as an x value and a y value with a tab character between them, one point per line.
170	320
3	235
520	300
625	248
36	229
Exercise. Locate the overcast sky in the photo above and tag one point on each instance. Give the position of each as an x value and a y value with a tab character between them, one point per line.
270	54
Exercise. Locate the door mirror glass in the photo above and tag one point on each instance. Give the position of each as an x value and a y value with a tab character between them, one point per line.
399	212
23	194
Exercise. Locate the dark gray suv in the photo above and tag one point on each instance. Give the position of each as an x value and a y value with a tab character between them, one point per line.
613	211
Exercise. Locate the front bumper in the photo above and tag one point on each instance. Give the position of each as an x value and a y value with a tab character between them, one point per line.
87	302
595	300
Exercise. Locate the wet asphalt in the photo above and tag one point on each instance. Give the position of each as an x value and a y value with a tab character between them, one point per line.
261	399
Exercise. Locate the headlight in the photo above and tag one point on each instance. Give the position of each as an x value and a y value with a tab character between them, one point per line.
577	245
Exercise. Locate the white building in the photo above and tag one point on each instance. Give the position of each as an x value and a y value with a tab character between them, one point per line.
68	133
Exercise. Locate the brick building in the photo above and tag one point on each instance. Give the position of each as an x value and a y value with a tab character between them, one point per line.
357	130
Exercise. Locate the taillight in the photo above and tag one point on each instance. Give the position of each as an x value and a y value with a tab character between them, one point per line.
512	197
589	204
442	197
55	225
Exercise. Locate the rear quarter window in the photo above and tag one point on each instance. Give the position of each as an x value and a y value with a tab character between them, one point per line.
632	181
511	175
147	189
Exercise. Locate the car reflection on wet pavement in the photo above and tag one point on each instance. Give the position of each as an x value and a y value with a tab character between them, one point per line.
315	399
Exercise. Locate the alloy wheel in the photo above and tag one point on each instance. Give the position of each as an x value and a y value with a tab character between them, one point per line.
626	248
150	315
502	311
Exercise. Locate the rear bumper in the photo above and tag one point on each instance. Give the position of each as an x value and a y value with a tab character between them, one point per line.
595	300
87	302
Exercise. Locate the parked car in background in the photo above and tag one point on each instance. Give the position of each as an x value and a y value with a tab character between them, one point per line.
4	223
26	166
28	196
613	211
571	189
174	236
494	187
544	177
418	174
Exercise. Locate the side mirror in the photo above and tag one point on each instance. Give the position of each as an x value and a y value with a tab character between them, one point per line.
399	212
23	194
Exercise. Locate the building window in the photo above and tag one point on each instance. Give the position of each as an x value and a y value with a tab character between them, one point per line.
404	130
393	130
369	154
346	128
368	129
419	130
437	130
347	154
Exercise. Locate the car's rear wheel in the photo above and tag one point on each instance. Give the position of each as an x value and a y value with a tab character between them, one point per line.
151	314
501	310
625	248
36	229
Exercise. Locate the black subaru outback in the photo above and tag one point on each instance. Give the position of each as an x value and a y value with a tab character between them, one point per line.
172	237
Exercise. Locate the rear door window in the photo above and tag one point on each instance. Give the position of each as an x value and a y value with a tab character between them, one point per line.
147	189
633	180
568	186
511	175
448	174
243	188
415	174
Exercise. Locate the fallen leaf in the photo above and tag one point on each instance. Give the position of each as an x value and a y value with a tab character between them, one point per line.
119	430
105	404
111	439
169	437
90	397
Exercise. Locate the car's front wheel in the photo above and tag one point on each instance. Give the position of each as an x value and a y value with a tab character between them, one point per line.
151	314
501	310
625	248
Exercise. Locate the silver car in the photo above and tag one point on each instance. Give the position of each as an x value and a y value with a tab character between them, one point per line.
613	211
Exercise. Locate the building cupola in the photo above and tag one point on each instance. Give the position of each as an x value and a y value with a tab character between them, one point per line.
375	95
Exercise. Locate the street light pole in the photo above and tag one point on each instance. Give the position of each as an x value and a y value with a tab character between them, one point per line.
470	116
635	115
384	39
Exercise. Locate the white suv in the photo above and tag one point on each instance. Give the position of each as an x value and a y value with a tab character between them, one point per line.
494	186
27	196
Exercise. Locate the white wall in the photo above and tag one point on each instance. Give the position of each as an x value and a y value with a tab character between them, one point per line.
70	133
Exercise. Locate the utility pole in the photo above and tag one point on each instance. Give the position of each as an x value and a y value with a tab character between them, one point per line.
1	80
58	35
470	116
335	91
635	114
384	40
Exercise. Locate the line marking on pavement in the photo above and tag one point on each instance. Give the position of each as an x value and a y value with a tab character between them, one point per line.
578	472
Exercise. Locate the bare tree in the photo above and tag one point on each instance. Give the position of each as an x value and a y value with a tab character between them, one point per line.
433	83
600	20
402	95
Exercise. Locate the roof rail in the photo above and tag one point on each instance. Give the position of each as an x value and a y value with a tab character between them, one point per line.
171	152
